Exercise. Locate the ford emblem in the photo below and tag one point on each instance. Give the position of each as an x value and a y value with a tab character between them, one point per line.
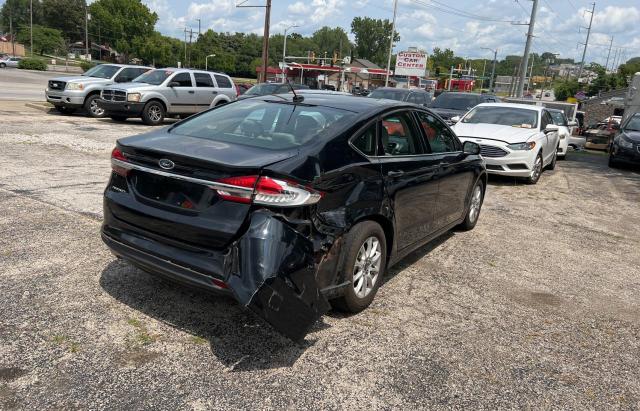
166	164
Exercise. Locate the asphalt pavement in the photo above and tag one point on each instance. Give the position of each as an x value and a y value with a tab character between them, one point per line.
24	85
538	307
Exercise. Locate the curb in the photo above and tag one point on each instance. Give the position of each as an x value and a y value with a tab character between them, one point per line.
46	107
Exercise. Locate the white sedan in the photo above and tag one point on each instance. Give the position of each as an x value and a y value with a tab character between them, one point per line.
516	140
564	132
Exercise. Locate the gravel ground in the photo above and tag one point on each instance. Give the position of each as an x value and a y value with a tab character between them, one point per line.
538	307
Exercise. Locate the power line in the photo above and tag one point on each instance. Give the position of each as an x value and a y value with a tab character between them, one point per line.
586	43
456	12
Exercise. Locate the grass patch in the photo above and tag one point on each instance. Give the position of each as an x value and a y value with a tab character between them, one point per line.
142	336
197	340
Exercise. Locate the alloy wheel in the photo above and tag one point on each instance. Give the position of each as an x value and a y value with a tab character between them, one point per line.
537	169
96	110
367	267
476	203
155	113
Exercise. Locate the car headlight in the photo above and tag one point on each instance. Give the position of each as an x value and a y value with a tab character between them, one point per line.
134	97
75	86
530	145
624	143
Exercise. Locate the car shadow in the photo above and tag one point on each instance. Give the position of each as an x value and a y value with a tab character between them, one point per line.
134	121
239	339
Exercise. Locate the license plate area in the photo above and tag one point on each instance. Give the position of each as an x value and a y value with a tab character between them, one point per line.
172	192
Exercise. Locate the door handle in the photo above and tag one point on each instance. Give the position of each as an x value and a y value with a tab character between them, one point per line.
192	92
395	174
214	92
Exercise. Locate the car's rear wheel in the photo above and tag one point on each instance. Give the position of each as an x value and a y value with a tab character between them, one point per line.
153	113
119	119
475	205
536	171
364	263
65	110
552	165
92	108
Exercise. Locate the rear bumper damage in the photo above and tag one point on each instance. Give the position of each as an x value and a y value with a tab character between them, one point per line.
271	269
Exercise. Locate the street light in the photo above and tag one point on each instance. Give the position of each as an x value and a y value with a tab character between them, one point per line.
284	51
206	62
493	68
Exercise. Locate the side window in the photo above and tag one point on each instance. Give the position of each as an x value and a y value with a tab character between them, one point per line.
366	142
203	80
439	138
546	120
223	81
399	136
183	78
127	74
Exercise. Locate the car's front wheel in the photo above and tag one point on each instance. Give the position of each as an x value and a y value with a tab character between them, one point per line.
363	264
475	205
92	108
552	166
536	171
153	113
2	65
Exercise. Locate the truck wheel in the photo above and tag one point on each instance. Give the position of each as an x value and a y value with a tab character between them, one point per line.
153	113
92	108
65	110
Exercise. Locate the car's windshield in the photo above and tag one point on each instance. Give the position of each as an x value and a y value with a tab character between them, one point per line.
505	116
102	71
558	118
265	124
633	124
455	101
153	77
399	95
264	89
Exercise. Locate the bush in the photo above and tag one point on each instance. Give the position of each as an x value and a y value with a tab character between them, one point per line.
32	64
86	65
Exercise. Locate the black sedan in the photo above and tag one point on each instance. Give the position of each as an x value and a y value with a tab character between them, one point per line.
288	202
451	104
626	145
415	96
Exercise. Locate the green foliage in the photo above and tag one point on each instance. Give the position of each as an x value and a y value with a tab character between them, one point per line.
68	16
20	14
32	64
329	39
566	89
86	65
372	39
444	59
45	40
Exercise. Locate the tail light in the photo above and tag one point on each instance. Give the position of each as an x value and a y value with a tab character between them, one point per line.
266	191
237	91
117	160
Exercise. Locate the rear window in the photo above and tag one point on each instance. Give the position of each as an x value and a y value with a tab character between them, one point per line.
203	80
265	124
398	95
456	101
223	81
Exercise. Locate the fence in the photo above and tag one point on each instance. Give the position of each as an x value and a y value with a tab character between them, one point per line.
6	47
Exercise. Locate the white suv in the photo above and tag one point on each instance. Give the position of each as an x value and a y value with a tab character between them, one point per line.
516	140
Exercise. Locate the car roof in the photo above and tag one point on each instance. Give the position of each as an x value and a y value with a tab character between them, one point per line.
514	105
406	90
186	70
348	102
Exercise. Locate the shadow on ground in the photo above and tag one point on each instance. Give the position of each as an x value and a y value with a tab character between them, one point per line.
239	339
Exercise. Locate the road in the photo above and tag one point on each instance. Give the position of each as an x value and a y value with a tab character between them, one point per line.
538	307
24	85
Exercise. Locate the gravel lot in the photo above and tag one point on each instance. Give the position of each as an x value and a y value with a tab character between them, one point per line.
538	307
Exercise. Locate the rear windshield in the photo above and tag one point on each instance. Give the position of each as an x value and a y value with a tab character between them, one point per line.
504	116
399	95
102	71
456	101
272	125
558	118
264	89
154	77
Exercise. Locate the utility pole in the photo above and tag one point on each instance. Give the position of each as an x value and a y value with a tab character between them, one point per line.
199	27
184	63
284	53
586	43
265	39
31	19
393	32
493	68
530	74
606	66
525	58
86	33
13	43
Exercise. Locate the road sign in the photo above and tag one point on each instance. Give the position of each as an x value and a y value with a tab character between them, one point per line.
411	63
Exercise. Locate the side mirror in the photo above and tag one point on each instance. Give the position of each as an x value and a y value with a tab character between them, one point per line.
471	148
455	119
174	84
551	128
572	124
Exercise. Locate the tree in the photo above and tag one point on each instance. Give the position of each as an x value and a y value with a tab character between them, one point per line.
68	16
330	40
372	39
122	21
18	11
566	89
444	59
45	40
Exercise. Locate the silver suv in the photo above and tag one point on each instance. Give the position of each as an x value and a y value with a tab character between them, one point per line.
168	91
68	94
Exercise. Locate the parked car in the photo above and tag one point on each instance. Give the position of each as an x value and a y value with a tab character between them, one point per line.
70	93
564	131
516	140
455	104
242	88
170	91
415	96
626	144
264	89
600	136
288	202
10	62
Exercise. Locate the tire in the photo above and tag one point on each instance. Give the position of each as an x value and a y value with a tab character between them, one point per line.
119	119
2	65
92	108
359	294
153	113
475	206
552	166
221	103
65	110
612	162
537	170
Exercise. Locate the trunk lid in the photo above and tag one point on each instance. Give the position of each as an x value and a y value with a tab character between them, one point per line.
173	182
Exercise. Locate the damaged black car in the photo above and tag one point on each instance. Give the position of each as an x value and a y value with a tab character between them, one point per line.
292	204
